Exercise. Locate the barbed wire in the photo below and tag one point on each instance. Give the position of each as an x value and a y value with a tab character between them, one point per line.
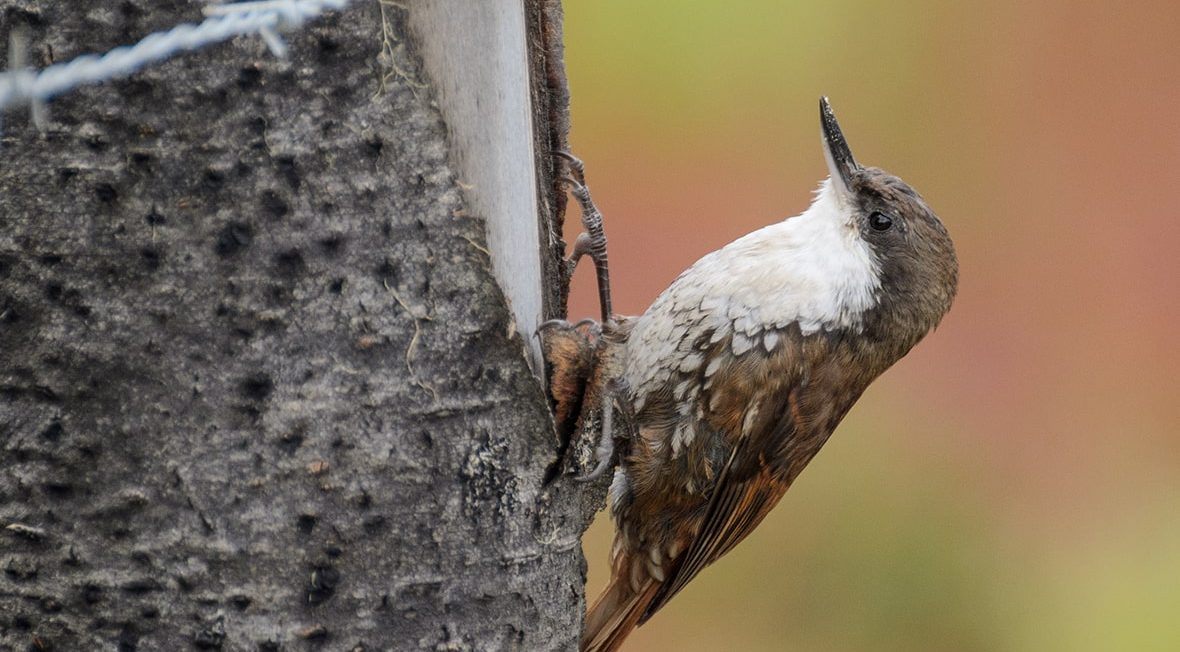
266	18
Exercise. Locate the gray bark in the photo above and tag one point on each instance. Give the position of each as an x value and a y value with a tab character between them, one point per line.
259	389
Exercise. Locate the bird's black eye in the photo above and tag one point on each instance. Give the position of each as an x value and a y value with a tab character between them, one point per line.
880	221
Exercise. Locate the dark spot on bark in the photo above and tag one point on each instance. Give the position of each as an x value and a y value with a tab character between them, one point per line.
249	77
141	556
140	586
387	272
10	315
184	583
257	125
96	142
286	167
233	238
374	524
257	387
140	158
336	286
128	639
154	217
20	570
129	10
58	490
219	98
333	551
373	146
53	431
324	579
306	523
328	46
274	204
269	646
243	169
150	612
49	260
91	593
81	311
211	636
332	245
133	89
240	602
30	17
53	291
364	500
213	179
36	392
278	294
22	622
292	440
387	229
105	193
290	263
151	258
50	604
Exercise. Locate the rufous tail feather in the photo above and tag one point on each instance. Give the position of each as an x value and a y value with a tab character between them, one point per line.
618	610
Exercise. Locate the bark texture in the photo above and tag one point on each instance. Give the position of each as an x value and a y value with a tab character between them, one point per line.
258	387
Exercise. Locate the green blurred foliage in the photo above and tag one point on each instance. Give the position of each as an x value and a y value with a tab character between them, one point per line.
1014	484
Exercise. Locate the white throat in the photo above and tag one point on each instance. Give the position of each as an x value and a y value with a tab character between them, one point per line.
814	270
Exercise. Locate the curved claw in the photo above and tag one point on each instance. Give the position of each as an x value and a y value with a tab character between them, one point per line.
575	163
603	465
576	185
550	324
593	325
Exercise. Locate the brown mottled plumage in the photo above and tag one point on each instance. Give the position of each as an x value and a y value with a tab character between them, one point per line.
739	372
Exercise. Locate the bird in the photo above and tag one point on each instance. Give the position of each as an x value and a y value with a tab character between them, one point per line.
736	375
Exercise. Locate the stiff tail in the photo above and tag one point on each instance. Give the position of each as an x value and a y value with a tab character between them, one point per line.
618	610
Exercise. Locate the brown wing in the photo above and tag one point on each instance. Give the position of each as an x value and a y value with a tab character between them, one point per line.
754	403
739	508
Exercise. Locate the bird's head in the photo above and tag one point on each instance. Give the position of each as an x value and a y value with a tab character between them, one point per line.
913	253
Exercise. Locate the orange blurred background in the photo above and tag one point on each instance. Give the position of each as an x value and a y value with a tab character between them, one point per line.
1014	483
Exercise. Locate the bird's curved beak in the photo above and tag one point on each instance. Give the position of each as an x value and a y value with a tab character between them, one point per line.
839	157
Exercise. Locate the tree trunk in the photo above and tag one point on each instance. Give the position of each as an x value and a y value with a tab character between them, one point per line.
259	388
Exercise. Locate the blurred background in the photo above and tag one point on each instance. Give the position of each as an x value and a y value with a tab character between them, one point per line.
1014	483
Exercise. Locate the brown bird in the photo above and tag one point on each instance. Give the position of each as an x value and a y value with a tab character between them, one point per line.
739	372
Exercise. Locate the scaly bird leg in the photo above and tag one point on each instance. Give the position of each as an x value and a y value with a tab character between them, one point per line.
614	402
592	241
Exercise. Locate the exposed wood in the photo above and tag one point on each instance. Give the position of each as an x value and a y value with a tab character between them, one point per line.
476	55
